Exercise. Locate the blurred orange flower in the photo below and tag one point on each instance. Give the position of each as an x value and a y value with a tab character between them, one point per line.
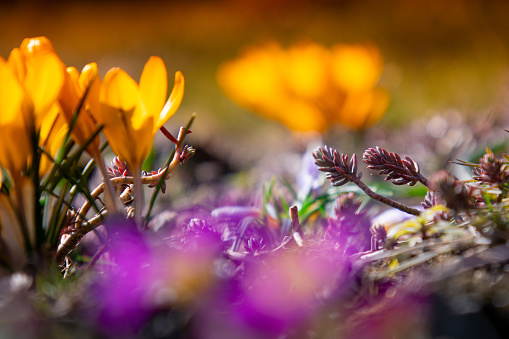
309	87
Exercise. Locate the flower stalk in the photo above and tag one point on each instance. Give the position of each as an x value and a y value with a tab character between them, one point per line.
341	171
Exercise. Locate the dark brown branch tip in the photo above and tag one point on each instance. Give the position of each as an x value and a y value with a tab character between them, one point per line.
401	170
170	136
340	170
491	170
430	200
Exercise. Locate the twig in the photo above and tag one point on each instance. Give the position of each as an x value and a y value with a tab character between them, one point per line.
96	256
385	200
83	228
402	170
341	171
118	182
296	229
72	241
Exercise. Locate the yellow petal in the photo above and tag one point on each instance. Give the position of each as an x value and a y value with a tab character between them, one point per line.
48	124
69	96
87	75
17	63
119	108
43	82
254	77
362	110
132	145
305	70
120	92
12	97
53	132
38	45
143	138
173	102
116	134
74	75
154	85
356	68
300	115
89	78
15	159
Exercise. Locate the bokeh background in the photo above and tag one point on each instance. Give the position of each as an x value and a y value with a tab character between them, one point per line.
446	65
439	55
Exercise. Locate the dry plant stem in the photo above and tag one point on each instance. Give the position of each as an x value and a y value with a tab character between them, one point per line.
296	229
82	212
139	198
117	182
96	257
385	200
425	181
81	230
178	150
72	241
168	135
341	171
111	201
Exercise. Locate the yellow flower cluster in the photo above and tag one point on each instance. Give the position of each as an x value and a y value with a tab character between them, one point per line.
40	101
308	87
30	81
39	96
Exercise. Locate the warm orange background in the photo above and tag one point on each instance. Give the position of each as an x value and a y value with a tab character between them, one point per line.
438	54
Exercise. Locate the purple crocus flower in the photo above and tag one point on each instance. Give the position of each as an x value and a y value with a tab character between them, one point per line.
276	294
350	228
119	292
145	274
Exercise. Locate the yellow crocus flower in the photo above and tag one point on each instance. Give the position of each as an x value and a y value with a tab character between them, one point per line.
75	87
41	74
52	135
356	68
30	81
83	88
15	144
305	70
132	113
309	87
